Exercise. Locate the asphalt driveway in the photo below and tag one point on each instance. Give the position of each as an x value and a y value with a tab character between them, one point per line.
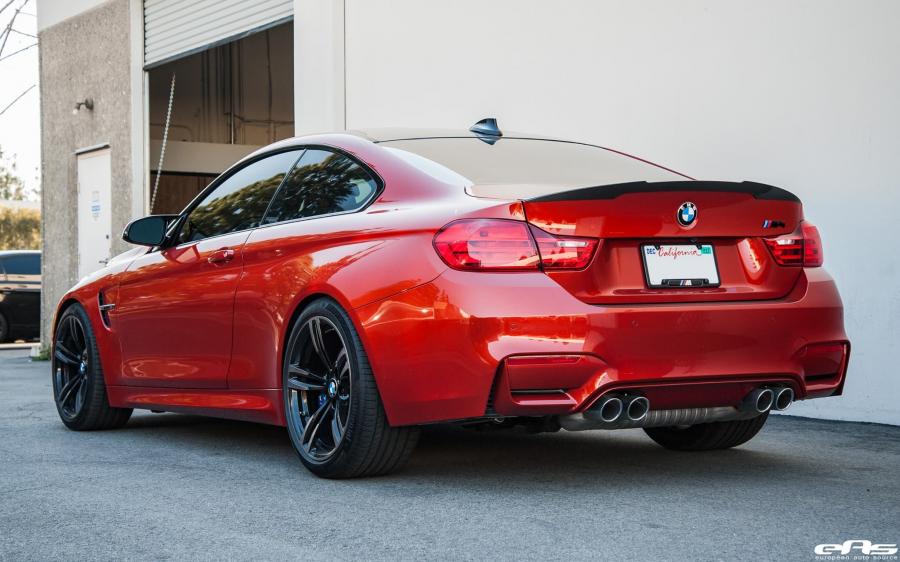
182	487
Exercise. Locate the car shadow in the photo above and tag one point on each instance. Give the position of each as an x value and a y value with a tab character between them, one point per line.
484	459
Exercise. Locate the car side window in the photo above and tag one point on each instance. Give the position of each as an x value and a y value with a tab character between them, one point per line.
321	183
240	201
22	264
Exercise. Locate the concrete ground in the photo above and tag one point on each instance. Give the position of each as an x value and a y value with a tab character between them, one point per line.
183	487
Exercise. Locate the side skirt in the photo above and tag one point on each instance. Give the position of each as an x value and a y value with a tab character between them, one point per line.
261	406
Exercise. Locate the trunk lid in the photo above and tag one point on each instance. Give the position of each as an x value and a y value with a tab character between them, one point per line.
733	218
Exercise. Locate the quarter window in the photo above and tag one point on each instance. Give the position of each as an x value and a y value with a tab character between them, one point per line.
239	202
322	183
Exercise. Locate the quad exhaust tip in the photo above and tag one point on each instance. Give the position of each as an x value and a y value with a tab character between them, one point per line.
616	410
760	400
619	411
784	397
632	410
638	408
610	408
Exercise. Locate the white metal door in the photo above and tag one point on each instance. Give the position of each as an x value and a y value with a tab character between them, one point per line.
94	218
175	28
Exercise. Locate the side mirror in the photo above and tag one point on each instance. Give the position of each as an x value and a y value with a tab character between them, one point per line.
148	231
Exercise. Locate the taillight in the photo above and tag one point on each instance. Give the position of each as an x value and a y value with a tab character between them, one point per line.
812	245
803	247
563	252
509	245
487	244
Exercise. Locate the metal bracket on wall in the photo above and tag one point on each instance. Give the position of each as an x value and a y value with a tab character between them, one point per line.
92	148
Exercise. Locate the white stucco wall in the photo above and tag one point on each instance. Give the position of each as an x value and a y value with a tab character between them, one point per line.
801	94
319	66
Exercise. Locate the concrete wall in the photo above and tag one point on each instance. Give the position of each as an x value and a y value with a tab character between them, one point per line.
801	94
85	55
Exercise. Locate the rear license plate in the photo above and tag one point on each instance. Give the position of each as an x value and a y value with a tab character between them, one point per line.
680	265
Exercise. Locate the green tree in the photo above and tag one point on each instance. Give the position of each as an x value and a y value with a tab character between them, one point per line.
11	186
20	229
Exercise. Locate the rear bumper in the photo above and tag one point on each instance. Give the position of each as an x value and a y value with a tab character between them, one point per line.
470	344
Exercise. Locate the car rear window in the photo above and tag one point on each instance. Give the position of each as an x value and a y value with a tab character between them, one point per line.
520	168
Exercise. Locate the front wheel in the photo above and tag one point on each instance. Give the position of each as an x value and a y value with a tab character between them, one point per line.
708	436
78	386
335	417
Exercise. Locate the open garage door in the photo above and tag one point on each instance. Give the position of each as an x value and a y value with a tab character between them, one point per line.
174	28
228	101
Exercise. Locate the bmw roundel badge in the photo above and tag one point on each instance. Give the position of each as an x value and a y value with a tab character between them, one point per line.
687	214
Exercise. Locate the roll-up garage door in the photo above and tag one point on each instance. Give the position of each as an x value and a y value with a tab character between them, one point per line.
174	28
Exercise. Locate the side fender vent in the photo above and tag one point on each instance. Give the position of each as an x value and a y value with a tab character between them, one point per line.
105	307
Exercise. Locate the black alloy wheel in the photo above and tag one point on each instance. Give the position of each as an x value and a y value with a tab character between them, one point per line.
335	417
78	386
319	386
71	359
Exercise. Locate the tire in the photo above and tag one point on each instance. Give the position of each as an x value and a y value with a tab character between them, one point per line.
708	436
328	384
79	390
4	329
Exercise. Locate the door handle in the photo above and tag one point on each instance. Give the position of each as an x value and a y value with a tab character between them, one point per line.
224	255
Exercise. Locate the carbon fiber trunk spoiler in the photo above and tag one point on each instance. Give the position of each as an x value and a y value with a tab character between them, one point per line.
601	192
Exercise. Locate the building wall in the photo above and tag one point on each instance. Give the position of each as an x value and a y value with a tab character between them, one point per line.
799	94
80	57
319	101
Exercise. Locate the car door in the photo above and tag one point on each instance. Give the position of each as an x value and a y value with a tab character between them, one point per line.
307	217
175	306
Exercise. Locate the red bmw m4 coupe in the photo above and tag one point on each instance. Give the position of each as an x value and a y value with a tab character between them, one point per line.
356	286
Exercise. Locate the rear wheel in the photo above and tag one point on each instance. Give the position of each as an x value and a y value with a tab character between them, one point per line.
335	417
78	386
708	436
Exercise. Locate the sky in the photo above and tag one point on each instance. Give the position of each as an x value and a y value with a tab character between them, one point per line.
20	126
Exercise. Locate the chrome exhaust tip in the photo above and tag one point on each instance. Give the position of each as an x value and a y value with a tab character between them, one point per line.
638	408
610	409
784	397
759	400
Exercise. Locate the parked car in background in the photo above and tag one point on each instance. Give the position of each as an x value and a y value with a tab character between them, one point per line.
20	295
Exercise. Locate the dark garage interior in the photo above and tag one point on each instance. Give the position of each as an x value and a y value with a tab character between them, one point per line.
228	100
